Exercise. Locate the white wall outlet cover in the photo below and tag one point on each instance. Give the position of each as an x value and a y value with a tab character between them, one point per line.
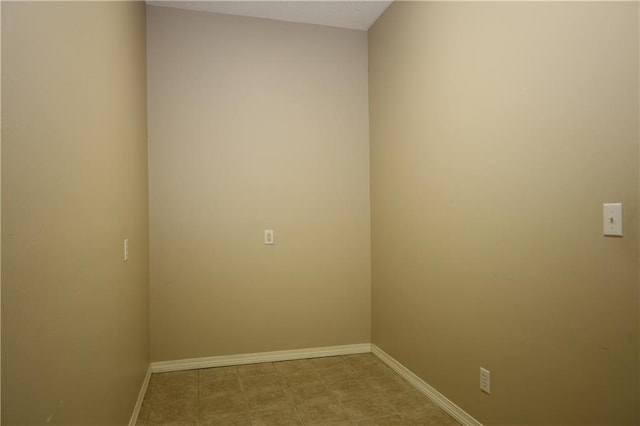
485	380
612	219
269	237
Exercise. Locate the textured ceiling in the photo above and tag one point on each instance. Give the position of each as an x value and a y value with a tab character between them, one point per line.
342	13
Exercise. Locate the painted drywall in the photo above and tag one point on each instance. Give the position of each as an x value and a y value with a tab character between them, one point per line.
0	211
75	345
497	132
256	124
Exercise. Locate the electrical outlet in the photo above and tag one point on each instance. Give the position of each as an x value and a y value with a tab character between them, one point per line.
269	238
485	380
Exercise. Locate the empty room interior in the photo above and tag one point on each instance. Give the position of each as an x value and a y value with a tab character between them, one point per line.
450	189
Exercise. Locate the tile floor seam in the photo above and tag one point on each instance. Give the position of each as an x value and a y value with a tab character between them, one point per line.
345	412
295	407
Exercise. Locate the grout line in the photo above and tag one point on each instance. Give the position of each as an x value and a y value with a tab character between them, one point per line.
244	394
295	406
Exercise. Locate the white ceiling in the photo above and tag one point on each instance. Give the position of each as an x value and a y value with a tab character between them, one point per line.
354	14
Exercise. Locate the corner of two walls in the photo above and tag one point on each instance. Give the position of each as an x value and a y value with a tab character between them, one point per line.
75	326
256	124
498	130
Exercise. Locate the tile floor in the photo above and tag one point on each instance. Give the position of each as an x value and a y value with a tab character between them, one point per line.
342	390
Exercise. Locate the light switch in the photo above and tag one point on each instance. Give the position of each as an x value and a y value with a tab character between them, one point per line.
612	219
125	255
268	237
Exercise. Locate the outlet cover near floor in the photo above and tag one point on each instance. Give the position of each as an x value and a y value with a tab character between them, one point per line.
485	380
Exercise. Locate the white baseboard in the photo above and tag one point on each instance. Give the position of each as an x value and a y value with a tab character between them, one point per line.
456	412
226	360
143	391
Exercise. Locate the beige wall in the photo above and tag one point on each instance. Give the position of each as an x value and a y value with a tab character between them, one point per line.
256	124
497	132
74	316
0	211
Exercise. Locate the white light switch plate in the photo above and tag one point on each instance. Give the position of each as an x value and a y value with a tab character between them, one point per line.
612	219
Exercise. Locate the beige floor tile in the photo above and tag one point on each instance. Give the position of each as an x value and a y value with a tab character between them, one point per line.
174	392
301	378
362	409
435	417
317	392
389	384
176	378
236	419
410	402
350	389
256	369
328	362
262	381
222	381
322	413
269	398
372	370
224	385
332	391
143	414
283	416
298	365
362	359
222	403
394	420
339	374
213	374
153	380
176	423
173	412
